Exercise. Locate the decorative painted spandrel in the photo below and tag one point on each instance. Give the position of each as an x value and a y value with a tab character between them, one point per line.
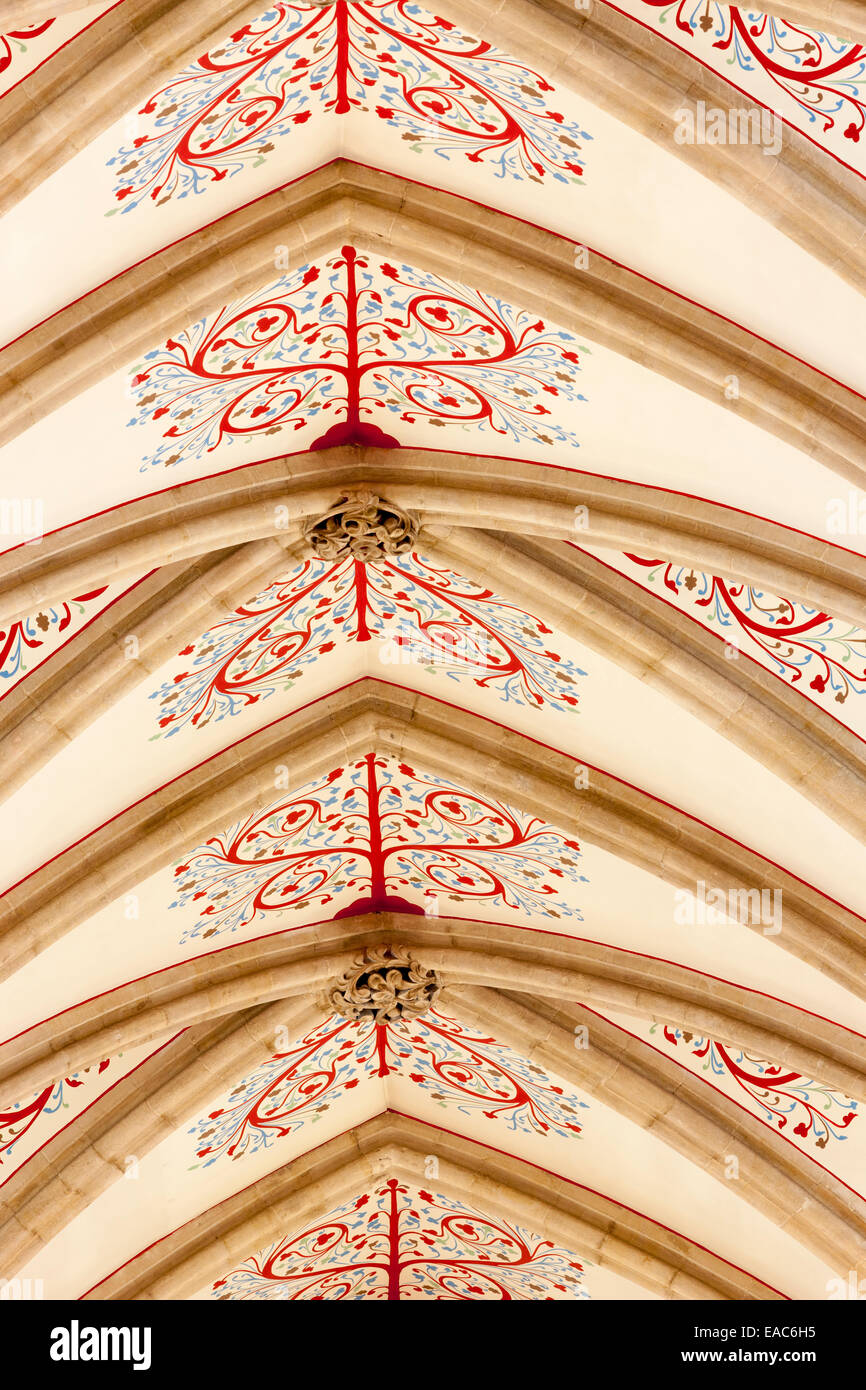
397	1244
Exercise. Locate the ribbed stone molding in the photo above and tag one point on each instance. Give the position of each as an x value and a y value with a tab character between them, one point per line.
467	953
96	77
700	1122
566	587
363	526
137	1113
445	490
526	266
386	984
392	1145
575	593
632	72
133	1116
625	69
387	719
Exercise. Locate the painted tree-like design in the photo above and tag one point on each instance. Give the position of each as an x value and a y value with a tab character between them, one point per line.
794	640
433	86
15	41
370	832
343	343
28	635
826	77
396	1244
426	614
20	1118
777	1094
453	1065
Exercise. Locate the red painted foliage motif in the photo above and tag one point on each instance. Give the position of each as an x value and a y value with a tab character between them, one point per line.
19	639
455	1066
371	833
423	613
15	41
792	639
433	86
824	76
19	1119
778	1094
346	344
397	1245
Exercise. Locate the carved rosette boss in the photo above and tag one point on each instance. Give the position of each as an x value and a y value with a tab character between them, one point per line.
384	986
364	527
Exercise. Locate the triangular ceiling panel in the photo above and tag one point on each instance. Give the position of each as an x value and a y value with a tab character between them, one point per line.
432	652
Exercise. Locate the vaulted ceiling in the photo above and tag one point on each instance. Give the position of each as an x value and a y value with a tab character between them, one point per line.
432	649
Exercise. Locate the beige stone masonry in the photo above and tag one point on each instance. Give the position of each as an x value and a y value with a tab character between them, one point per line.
372	715
701	1123
391	1145
545	966
570	590
162	1094
446	490
526	266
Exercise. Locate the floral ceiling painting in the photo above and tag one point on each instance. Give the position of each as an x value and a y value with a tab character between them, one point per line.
432	663
378	836
428	83
806	1111
398	1245
354	348
813	79
415	610
454	1065
822	657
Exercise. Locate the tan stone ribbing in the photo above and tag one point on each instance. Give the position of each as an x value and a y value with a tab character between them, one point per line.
17	13
570	590
626	70
447	490
577	594
129	1120
467	952
161	1095
80	682
845	19
526	266
633	73
590	1224
792	1192
373	716
96	78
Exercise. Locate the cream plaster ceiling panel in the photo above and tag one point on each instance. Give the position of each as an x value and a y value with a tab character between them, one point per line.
610	1155
432	651
634	201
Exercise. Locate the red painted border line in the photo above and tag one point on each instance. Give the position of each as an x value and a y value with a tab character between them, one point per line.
477	1143
750	96
448	704
732	1099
